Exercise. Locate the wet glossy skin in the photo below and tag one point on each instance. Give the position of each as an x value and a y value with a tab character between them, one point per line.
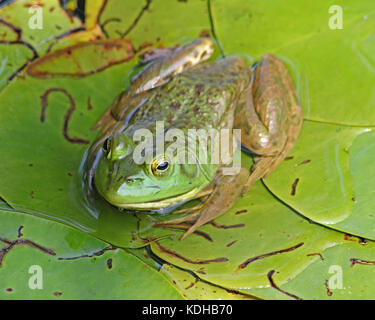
185	93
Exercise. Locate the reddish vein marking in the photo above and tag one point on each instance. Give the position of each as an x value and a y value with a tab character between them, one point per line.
12	244
241	211
294	187
316	254
190	286
303	162
176	255
19	232
273	285
134	23
329	292
222	226
19	40
231	243
350	237
109	263
250	260
183	228
44	100
360	261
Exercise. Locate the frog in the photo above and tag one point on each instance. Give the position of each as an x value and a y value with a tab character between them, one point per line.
183	90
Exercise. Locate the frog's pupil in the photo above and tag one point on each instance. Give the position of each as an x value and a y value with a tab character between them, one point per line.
163	166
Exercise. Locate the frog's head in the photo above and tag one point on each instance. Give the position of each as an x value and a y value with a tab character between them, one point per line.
154	184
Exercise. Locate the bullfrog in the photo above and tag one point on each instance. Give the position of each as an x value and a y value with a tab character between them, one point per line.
181	90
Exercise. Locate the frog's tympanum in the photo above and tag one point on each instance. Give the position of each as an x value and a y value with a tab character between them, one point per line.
185	92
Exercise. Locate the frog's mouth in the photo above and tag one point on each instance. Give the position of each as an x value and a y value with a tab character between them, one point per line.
159	204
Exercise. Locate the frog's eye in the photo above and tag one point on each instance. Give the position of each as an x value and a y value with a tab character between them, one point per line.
107	145
159	167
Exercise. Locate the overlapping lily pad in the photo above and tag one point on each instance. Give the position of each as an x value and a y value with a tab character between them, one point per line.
240	251
333	68
152	21
329	181
41	259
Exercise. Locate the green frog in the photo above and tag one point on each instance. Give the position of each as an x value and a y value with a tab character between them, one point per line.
184	92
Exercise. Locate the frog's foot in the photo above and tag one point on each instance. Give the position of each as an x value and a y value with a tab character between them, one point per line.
153	54
226	191
269	117
202	195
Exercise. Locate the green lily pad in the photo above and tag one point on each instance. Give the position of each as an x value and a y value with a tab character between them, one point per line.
328	178
12	57
226	244
152	21
41	259
262	247
341	272
40	23
190	286
324	61
194	288
61	115
239	251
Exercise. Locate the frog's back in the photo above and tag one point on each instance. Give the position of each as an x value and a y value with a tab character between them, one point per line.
200	97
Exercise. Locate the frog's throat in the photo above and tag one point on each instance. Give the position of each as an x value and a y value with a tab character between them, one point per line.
160	204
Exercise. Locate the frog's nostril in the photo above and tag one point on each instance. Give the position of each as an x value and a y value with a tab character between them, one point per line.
133	180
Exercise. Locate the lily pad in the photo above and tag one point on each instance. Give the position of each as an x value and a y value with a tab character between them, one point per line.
39	22
328	181
323	59
267	245
151	21
341	272
189	285
239	251
41	259
61	114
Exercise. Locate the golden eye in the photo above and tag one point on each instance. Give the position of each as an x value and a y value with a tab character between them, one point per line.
160	166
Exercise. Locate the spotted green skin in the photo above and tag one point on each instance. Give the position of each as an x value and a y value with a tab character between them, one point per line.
200	96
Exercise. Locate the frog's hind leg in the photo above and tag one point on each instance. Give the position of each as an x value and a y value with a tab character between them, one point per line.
269	117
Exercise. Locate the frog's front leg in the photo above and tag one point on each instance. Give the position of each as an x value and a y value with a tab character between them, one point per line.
227	189
269	117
